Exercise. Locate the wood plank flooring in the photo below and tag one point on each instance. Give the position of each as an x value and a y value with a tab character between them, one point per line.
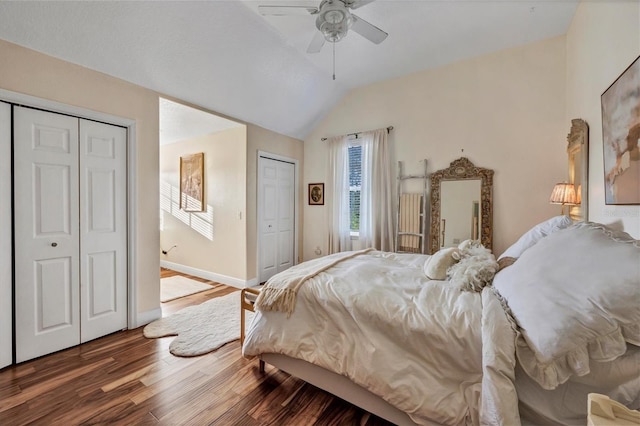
126	379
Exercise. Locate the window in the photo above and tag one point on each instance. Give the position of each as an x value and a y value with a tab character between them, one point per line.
355	185
365	213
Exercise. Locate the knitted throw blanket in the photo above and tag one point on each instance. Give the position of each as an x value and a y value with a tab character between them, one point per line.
280	291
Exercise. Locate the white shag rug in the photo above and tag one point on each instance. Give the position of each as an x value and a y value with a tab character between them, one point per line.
178	286
202	328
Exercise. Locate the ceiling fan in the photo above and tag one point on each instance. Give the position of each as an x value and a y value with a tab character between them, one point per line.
334	19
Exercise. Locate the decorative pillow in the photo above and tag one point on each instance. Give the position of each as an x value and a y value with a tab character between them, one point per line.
575	297
476	267
467	243
504	262
435	268
533	235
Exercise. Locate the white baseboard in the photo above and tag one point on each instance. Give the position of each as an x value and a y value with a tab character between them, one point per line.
208	275
145	318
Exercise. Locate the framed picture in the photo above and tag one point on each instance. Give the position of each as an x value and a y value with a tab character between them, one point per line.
192	182
316	194
620	134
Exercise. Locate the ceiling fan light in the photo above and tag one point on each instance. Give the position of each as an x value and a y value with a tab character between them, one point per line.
333	32
334	16
334	20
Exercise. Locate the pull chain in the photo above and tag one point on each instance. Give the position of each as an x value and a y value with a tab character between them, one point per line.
334	60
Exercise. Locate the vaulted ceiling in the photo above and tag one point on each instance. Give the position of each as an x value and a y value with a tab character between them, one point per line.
224	56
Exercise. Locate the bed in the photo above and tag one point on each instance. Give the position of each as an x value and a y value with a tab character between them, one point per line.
374	329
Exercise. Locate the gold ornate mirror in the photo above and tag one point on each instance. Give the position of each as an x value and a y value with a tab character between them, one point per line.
578	152
461	205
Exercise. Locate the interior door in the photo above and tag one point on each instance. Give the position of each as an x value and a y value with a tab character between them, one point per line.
47	232
103	234
6	292
276	203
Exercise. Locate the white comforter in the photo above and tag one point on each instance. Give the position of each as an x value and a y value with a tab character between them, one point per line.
437	353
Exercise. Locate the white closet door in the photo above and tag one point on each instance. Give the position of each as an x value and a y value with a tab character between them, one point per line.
47	232
103	235
6	293
276	201
286	212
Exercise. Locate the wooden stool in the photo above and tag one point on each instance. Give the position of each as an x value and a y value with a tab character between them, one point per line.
248	298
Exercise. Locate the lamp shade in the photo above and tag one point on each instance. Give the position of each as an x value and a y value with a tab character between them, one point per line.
563	193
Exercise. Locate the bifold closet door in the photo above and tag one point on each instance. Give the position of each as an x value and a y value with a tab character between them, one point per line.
103	233
47	237
70	231
6	293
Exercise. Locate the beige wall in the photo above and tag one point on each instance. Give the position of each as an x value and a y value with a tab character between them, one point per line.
32	73
602	41
260	139
215	240
505	110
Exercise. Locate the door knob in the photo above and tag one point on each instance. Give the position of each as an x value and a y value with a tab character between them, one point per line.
54	244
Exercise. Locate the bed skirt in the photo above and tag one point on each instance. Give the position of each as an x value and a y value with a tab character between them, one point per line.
339	386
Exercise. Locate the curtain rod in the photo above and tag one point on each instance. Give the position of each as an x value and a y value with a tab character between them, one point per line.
389	129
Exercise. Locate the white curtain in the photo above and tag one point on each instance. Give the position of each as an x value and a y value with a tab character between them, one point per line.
376	196
338	183
376	203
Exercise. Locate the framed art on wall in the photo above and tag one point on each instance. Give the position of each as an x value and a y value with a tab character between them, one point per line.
316	194
620	135
192	182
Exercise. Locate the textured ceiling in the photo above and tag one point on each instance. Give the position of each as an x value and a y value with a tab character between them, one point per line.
179	122
224	56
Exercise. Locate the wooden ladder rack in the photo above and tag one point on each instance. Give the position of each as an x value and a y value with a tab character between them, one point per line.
422	233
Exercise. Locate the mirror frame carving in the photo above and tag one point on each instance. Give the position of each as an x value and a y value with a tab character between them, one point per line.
463	169
578	145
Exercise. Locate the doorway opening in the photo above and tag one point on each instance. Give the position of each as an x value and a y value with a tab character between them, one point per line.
202	193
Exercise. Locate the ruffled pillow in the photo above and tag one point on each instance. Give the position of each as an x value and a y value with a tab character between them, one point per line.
435	267
535	234
575	296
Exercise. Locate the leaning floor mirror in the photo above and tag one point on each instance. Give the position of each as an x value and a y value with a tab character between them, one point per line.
578	152
461	205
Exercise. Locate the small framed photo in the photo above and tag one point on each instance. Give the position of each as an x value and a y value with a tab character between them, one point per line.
316	194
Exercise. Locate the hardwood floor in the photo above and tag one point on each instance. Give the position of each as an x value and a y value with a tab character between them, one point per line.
126	379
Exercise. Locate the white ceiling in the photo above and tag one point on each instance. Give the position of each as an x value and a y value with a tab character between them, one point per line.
223	56
179	122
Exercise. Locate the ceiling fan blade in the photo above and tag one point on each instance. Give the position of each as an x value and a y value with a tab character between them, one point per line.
359	3
367	30
287	10
316	43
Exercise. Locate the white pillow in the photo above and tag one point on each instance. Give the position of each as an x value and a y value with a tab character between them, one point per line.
435	267
533	235
575	296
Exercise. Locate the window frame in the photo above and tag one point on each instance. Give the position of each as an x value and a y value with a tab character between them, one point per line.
355	142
